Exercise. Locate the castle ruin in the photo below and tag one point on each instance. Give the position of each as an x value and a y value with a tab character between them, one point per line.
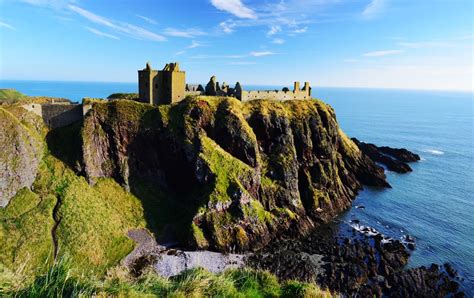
169	86
161	87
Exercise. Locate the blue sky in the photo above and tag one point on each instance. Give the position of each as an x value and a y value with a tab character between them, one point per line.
413	44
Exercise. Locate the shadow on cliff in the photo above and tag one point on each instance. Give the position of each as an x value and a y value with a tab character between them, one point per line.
65	143
162	174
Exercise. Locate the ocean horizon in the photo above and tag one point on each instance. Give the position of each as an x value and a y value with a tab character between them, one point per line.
98	89
433	204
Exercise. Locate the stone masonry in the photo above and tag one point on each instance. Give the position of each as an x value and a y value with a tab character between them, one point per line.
169	86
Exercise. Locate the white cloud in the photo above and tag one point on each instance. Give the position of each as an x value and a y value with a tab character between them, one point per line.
147	19
300	30
382	53
425	44
373	8
278	41
218	56
274	29
124	28
194	44
180	53
228	26
235	7
103	34
261	54
56	4
186	33
5	25
351	60
242	63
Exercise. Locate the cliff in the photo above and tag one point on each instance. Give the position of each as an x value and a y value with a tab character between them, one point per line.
225	175
21	152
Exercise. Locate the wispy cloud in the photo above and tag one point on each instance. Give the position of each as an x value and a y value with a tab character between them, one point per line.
426	44
180	53
218	56
123	28
374	8
228	26
278	41
261	54
351	60
5	25
274	29
235	7
56	4
242	63
382	53
194	44
103	34
186	33
147	19
300	30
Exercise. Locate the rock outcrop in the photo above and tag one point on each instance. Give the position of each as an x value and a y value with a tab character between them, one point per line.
394	159
21	152
237	174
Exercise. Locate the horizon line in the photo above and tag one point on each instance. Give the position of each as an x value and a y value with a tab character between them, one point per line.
263	85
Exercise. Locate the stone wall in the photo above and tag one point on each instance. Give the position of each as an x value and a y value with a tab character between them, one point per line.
274	95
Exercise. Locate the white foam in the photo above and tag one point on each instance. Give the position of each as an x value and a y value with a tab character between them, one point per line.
434	151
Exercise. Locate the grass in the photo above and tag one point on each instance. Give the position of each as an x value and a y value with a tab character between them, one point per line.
61	281
10	96
130	96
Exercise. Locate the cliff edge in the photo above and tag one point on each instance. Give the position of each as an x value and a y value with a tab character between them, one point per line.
220	174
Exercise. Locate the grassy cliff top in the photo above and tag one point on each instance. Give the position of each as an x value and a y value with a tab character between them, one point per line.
9	96
12	96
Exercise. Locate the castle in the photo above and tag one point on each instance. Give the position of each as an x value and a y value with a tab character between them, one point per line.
169	85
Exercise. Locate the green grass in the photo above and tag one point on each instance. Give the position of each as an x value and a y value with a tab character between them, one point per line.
130	96
61	281
10	96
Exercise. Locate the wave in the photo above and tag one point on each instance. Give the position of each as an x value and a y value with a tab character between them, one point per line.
433	151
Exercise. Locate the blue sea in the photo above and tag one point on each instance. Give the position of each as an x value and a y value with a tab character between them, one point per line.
434	204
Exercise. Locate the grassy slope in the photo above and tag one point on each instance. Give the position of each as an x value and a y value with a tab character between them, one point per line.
57	282
9	96
91	234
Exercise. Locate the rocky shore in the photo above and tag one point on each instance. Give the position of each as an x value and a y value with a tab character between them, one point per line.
366	264
395	159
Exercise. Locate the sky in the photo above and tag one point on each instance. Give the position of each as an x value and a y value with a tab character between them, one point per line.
408	44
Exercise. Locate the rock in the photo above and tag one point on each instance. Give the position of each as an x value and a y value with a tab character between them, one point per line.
20	153
450	270
401	154
373	153
353	266
239	173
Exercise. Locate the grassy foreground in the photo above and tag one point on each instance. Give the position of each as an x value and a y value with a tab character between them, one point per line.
86	227
60	281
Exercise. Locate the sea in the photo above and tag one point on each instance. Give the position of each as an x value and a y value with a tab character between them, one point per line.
434	204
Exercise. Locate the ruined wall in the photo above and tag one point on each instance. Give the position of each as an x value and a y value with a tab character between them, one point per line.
170	86
34	108
274	95
146	88
193	93
58	115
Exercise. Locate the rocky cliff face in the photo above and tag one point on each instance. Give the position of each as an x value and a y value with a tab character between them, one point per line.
236	174
20	154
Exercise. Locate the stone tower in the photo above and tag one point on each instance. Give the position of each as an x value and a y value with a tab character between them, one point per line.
171	84
161	87
146	84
